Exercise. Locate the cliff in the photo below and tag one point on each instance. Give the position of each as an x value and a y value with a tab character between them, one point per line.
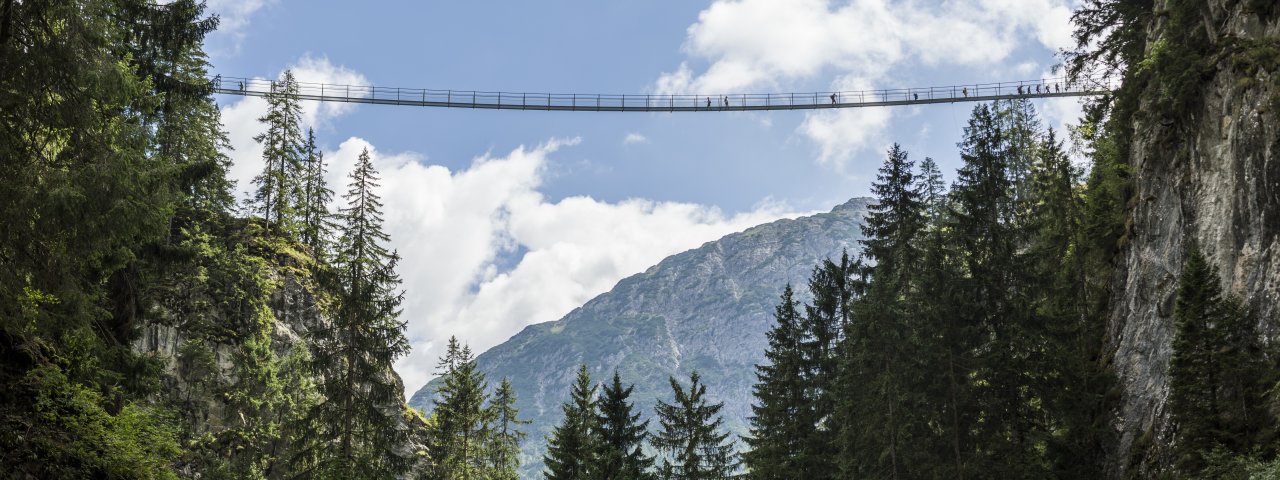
1209	174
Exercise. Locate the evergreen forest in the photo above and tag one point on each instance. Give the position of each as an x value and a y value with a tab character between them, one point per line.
967	340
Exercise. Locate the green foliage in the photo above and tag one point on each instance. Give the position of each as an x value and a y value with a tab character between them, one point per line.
502	452
462	423
316	223
103	136
1216	373
619	435
89	440
970	342
279	194
779	435
572	446
353	355
690	443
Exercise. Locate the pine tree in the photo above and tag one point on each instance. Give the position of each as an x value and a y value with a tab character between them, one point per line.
85	204
571	447
1215	377
878	359
278	195
933	190
620	436
691	443
833	287
503	450
1072	383
316	223
780	432
354	354
462	428
985	226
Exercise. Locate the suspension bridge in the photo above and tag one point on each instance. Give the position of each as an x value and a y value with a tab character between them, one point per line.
577	102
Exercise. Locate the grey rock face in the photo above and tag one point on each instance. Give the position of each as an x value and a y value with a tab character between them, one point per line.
706	309
1216	181
199	390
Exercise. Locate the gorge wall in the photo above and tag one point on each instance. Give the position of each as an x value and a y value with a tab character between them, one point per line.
1209	176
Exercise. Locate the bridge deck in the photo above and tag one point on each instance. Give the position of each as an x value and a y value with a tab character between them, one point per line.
419	97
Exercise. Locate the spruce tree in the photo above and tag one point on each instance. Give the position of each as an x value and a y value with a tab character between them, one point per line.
877	355
1073	383
691	442
779	432
985	228
833	286
503	449
620	436
933	190
85	203
462	429
1215	373
278	194
572	445
355	353
316	223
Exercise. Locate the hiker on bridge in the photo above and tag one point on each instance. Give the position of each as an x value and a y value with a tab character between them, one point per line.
965	91
708	102
833	99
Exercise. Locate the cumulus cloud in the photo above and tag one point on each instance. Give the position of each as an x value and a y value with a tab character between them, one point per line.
240	117
455	228
770	44
484	252
634	138
234	17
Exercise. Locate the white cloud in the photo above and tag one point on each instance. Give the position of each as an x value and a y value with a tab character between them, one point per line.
634	138
234	17
453	227
241	117
841	133
772	44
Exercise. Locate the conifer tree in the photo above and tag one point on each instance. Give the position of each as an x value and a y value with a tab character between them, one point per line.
85	202
691	442
1073	383
503	450
316	223
833	287
1215	371
985	225
620	436
878	358
278	194
933	190
779	431
354	355
572	445
462	429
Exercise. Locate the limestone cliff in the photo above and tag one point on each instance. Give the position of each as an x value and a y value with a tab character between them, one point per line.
1209	175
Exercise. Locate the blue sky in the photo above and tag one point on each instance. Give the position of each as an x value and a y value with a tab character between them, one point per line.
507	218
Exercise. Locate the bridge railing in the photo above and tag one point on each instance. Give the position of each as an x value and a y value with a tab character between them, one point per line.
539	101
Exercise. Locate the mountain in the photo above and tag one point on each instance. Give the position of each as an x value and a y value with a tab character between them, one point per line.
1207	174
705	309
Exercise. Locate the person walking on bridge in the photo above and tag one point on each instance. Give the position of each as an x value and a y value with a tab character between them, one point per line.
833	99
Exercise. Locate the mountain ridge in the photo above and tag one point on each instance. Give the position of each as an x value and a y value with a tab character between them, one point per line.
704	309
